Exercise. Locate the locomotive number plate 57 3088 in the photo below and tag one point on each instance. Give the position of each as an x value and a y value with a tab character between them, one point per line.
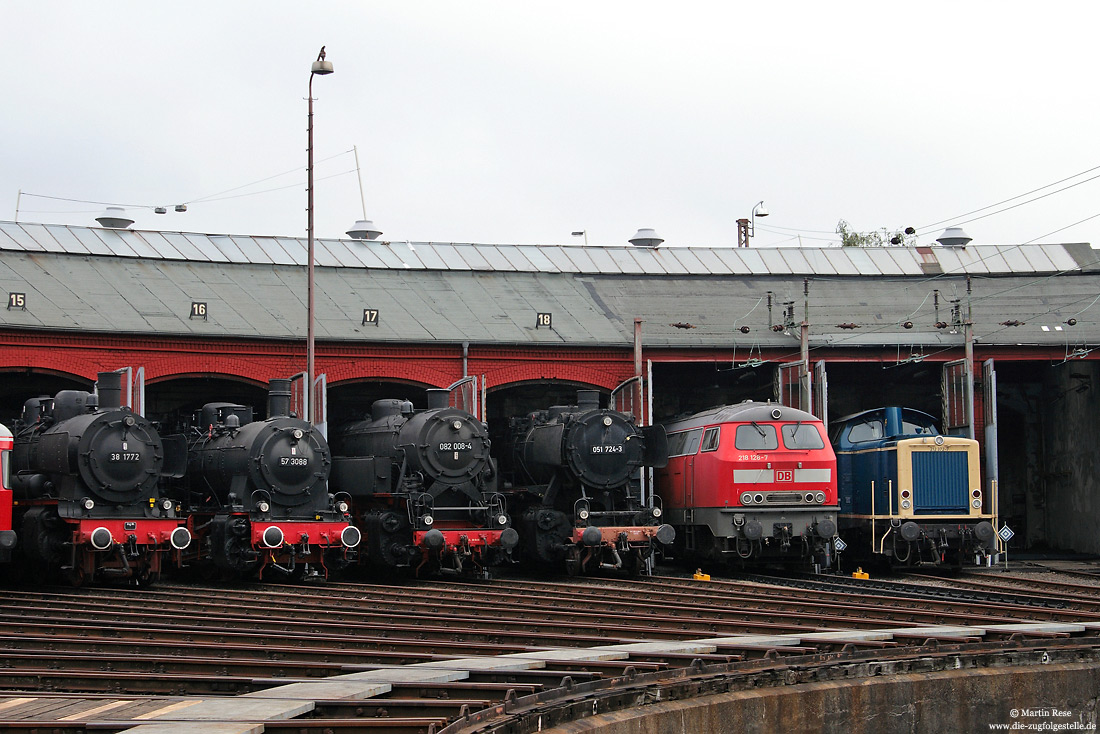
125	456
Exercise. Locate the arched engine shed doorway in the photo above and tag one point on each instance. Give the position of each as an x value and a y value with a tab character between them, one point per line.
351	400
179	397
18	387
519	399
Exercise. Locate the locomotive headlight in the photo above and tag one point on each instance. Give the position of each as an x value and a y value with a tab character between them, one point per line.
263	506
166	504
657	512
746	499
758	498
428	520
88	503
809	497
456	424
976	504
939	440
582	513
502	520
905	504
298	433
129	421
820	498
607	420
341	506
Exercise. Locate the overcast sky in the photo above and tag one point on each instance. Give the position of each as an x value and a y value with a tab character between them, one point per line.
521	122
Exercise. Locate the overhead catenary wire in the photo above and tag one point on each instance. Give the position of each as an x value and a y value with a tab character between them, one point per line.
959	219
218	196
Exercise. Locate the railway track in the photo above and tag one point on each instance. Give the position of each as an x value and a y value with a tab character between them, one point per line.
76	660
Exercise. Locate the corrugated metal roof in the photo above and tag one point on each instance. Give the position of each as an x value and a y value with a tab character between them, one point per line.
694	297
581	259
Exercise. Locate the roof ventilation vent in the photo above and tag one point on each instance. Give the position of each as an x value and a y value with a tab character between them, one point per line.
364	229
114	217
646	237
954	237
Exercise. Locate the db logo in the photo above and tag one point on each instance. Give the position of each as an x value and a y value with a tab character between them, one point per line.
784	475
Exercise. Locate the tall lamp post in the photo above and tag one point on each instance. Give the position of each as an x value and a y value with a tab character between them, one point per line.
322	67
746	228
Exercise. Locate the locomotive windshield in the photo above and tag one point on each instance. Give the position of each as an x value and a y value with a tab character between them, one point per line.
871	428
802	436
866	431
756	437
909	428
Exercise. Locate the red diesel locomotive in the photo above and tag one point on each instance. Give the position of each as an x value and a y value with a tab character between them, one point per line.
8	536
751	482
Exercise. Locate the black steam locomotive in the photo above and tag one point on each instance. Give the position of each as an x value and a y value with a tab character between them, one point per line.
87	476
424	487
257	491
574	474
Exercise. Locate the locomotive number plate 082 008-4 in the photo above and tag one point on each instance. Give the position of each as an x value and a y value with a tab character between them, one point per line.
456	446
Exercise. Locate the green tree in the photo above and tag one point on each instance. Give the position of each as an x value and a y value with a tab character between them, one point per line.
878	238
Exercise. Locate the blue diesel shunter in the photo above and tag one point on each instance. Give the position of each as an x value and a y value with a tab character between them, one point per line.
911	494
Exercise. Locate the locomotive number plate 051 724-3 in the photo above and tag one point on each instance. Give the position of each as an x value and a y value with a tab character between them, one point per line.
456	446
613	449
124	456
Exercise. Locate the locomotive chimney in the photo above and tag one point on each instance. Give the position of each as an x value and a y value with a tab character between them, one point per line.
438	398
278	398
588	399
108	386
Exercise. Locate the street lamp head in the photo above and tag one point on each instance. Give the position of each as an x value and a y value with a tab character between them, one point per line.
320	66
760	210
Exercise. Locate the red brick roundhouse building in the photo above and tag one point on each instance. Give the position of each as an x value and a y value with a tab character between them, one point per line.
997	340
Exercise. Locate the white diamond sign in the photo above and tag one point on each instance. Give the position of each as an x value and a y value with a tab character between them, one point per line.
839	545
1006	533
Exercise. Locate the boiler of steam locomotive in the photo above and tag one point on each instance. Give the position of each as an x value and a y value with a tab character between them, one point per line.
259	490
88	473
424	486
575	471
